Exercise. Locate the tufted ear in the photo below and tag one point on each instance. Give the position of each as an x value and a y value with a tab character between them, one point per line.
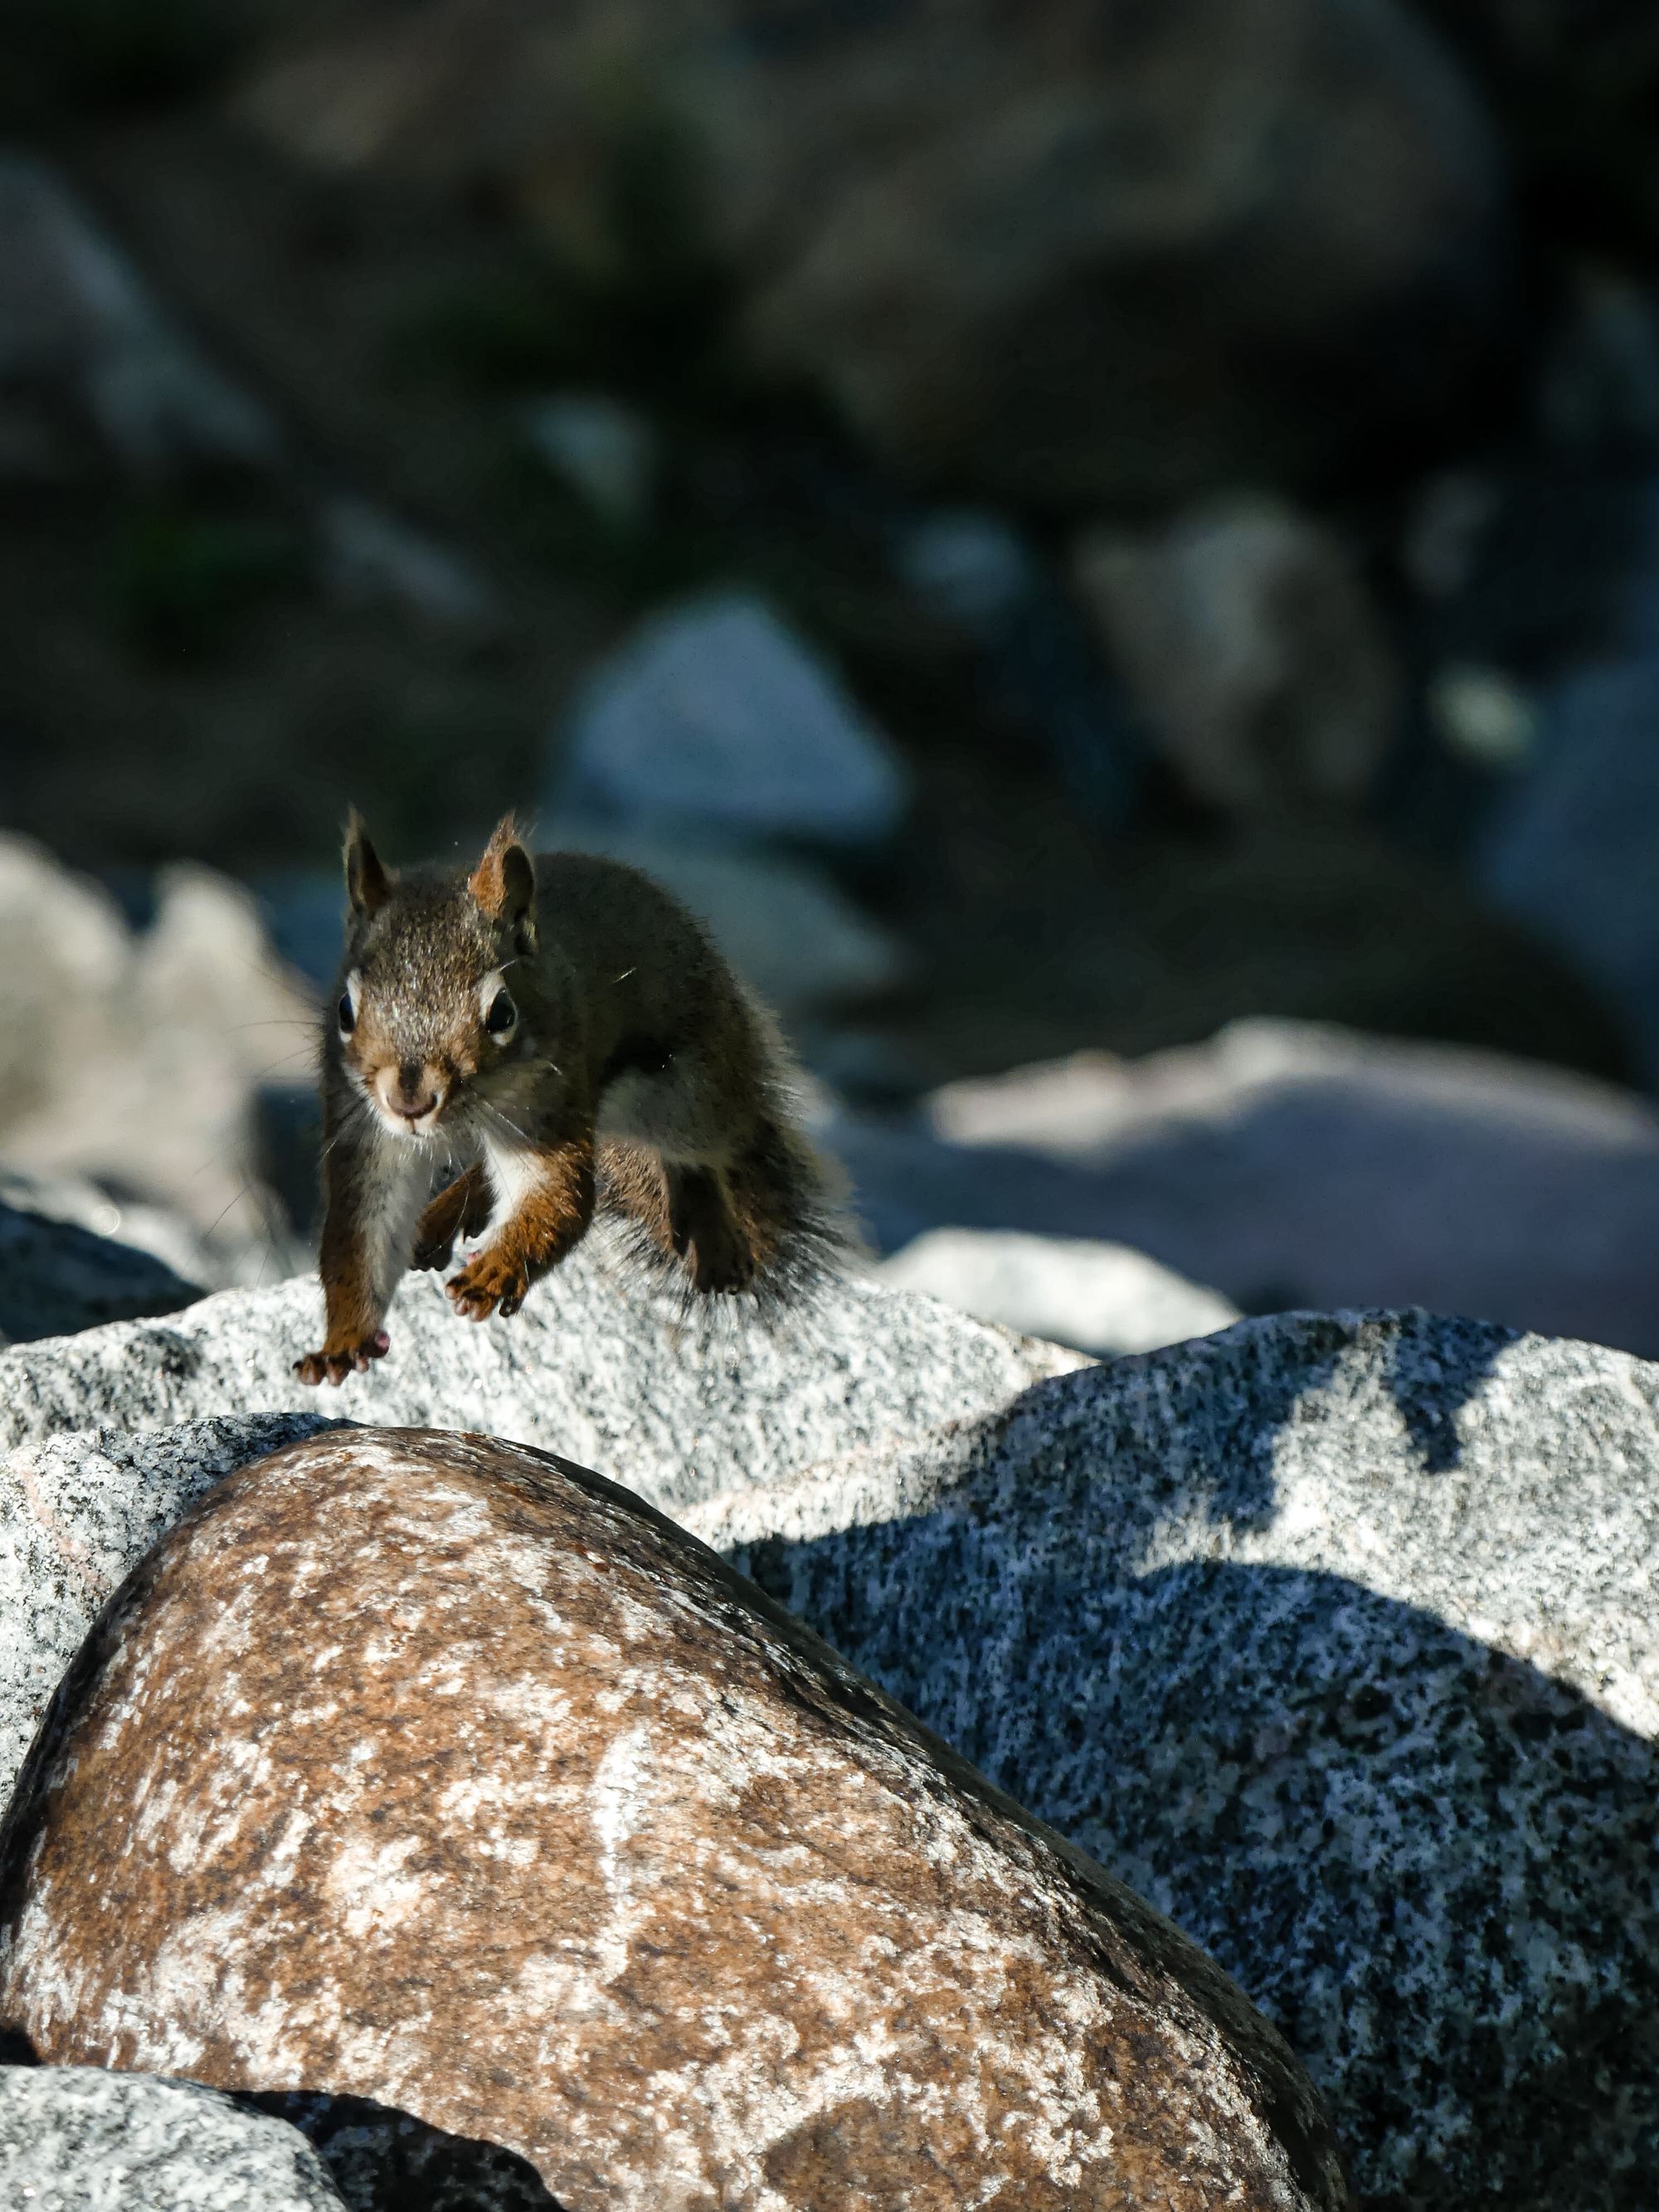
503	884
368	884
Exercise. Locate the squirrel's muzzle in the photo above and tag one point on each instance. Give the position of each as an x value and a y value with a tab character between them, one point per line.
410	1096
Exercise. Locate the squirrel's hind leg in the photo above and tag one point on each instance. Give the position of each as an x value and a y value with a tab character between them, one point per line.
684	1213
634	1186
706	1233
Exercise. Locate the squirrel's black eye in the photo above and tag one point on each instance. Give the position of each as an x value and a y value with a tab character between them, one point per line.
347	1016
502	1016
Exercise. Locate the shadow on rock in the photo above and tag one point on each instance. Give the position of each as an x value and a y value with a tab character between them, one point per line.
1430	1866
382	2159
1145	1606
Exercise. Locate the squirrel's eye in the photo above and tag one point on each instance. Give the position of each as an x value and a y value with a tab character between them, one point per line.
502	1016
347	1015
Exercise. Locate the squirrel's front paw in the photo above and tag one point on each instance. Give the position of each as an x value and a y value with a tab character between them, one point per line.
327	1366
487	1285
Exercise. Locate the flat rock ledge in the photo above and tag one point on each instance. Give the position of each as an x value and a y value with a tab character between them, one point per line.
622	1381
421	1768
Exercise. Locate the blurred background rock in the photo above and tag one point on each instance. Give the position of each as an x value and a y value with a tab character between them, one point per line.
1076	530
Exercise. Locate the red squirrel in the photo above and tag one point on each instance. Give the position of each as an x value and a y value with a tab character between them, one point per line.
558	1036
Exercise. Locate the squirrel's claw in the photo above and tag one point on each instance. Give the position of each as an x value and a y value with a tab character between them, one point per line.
487	1285
327	1366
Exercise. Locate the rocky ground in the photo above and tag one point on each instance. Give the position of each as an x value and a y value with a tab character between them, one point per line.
1113	556
1328	1638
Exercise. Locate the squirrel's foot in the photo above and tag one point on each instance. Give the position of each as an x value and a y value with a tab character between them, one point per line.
705	1234
487	1283
720	1263
333	1366
433	1255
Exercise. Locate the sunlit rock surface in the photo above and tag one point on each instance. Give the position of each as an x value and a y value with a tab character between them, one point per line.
420	1768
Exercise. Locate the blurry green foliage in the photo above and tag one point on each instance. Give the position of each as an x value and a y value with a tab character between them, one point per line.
103	54
179	580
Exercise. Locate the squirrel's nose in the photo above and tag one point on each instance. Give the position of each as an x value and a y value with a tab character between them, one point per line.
410	1091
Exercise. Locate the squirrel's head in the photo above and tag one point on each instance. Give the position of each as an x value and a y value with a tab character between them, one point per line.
429	1016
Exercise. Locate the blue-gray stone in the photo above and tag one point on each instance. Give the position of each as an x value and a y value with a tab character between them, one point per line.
716	716
1337	1638
1289	1164
57	1276
1571	851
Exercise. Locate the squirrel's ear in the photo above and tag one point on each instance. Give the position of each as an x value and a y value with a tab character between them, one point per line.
504	882
368	884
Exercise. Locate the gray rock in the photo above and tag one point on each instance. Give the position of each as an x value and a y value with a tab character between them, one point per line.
588	1366
1102	1298
66	953
1338	1639
447	1773
1287	1165
382	2159
77	323
77	1513
603	450
57	1277
1571	850
594	1366
717	716
1253	651
142	1053
71	1202
371	558
78	2139
782	923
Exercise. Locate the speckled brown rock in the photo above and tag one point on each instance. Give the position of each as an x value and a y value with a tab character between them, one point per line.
419	1767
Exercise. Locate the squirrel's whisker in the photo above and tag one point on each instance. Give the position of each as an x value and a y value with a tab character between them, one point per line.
506	1120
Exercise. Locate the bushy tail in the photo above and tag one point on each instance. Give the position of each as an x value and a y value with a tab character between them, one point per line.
791	1204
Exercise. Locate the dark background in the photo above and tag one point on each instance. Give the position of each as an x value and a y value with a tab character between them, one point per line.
1214	447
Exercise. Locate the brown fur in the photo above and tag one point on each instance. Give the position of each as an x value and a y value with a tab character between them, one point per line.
462	1209
549	1220
567	1034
